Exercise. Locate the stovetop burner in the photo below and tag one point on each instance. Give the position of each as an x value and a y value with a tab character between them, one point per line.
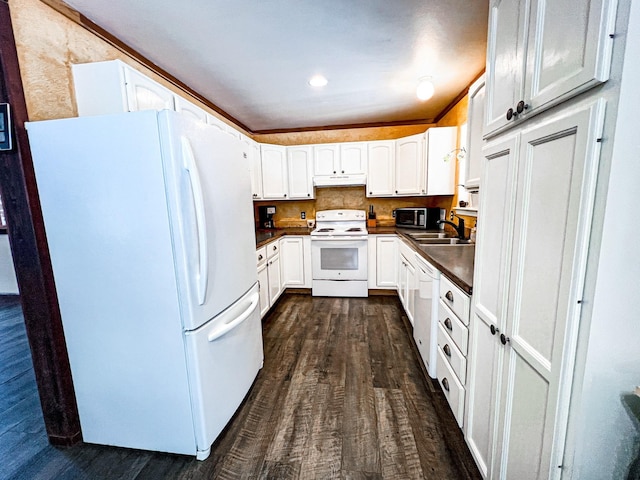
354	229
324	230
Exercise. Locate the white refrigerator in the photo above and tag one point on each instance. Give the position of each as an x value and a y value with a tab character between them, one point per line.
149	221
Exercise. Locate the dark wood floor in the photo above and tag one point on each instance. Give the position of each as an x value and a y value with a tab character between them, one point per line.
341	396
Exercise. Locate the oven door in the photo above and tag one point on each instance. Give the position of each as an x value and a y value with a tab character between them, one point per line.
339	259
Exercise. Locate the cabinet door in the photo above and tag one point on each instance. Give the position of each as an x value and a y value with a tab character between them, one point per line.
190	110
353	158
411	290
299	170
326	159
263	283
380	168
402	280
410	171
475	124
386	264
558	163
493	247
275	279
506	43
215	122
145	94
292	261
252	150
274	172
569	49
441	160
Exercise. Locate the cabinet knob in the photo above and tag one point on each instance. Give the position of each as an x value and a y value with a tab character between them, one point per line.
260	257
493	329
370	193
308	194
521	107
396	191
447	350
447	323
275	248
449	296
334	171
504	339
285	195
445	384
342	171
510	114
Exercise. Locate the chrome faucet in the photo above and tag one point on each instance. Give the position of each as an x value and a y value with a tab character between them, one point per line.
459	228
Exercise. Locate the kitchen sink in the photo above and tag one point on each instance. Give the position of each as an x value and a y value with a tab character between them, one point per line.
427	235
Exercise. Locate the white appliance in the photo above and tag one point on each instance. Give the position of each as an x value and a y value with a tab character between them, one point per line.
425	320
149	221
339	254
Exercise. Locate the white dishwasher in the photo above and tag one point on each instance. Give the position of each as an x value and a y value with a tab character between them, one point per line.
425	327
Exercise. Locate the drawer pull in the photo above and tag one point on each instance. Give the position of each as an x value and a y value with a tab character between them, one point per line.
260	257
449	296
447	323
447	350
275	248
445	384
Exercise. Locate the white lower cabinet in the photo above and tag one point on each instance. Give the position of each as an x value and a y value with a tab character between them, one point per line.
283	263
453	341
425	317
382	262
535	215
295	261
406	278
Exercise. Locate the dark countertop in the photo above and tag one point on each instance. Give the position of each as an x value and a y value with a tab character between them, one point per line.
454	261
265	236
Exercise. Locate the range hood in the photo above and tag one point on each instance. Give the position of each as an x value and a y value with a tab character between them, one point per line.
339	180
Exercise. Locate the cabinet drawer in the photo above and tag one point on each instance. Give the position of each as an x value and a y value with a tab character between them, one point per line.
452	354
261	256
455	299
451	386
453	326
273	249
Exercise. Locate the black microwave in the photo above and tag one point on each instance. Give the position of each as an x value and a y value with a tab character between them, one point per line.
420	217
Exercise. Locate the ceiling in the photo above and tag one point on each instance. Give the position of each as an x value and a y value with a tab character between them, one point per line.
253	58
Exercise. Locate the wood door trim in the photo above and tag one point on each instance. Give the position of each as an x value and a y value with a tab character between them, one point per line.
31	257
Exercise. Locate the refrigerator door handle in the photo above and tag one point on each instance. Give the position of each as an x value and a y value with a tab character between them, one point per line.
198	200
225	328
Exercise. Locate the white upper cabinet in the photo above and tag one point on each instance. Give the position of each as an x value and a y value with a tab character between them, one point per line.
189	109
410	166
274	172
541	53
441	160
108	87
252	151
145	94
215	122
299	166
475	124
353	158
380	169
326	159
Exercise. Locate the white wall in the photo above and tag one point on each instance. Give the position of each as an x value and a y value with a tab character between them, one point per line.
606	434
8	282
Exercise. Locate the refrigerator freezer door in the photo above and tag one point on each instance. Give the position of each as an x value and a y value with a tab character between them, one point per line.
211	210
224	357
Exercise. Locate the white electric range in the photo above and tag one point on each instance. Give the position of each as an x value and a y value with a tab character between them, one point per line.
339	254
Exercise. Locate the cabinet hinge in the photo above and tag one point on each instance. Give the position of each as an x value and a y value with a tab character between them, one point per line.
599	140
612	35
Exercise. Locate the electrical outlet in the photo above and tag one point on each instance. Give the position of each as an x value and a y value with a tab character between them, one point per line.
303	215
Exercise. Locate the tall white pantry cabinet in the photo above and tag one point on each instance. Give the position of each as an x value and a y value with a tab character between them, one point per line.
549	129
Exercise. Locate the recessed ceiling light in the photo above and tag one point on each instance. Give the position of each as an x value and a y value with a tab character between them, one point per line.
318	81
425	88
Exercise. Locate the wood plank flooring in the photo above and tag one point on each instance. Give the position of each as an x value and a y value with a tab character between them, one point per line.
341	396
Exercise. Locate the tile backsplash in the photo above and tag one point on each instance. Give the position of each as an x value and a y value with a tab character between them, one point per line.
288	212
